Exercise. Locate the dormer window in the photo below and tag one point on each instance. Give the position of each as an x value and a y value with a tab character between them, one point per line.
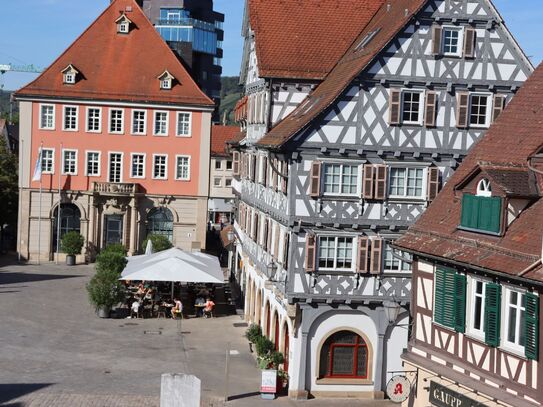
166	80
123	24
482	212
484	188
69	75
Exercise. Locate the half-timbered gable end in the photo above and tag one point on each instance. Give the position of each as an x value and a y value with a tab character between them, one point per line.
477	271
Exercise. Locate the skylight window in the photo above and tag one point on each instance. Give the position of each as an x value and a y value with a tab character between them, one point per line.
367	39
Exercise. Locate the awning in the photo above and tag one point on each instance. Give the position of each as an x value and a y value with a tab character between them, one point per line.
219	205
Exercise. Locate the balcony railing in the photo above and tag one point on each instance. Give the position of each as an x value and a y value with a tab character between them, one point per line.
187	22
115	188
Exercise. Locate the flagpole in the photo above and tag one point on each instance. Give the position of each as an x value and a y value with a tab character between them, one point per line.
39	214
59	203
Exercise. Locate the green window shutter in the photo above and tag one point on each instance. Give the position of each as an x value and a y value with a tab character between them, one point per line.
492	314
438	295
489	213
460	281
444	304
496	209
531	326
468	209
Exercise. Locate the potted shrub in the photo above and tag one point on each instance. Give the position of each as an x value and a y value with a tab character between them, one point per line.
114	248
282	380
71	244
252	334
160	243
105	289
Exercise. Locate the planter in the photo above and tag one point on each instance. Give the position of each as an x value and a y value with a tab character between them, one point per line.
103	312
70	260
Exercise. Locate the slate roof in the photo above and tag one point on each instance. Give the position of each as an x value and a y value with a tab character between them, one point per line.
516	135
220	136
384	26
514	181
119	67
305	38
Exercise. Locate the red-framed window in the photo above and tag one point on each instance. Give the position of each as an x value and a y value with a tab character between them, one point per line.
344	355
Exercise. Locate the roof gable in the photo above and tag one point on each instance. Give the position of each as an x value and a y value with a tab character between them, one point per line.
220	137
119	67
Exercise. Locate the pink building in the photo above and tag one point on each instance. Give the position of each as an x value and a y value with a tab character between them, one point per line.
125	138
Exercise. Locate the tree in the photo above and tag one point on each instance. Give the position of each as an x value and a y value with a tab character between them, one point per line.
160	243
9	190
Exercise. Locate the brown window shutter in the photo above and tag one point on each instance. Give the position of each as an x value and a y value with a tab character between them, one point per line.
265	171
499	105
258	235
276	242
274	175
253	167
367	185
310	253
249	222
235	164
469	42
285	250
430	109
437	31
363	253
376	249
394	106
284	176
269	228
433	183
462	109
315	179
380	181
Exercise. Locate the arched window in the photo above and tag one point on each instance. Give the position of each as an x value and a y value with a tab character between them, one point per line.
276	331
70	220
484	188
160	222
286	346
344	354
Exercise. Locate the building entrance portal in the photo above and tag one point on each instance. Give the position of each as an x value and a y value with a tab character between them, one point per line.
113	229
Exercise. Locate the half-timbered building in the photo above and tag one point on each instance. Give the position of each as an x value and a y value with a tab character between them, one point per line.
477	270
335	167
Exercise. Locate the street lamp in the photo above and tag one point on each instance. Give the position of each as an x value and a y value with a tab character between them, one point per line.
271	269
392	310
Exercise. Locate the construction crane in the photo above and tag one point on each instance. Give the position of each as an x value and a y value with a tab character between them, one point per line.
17	68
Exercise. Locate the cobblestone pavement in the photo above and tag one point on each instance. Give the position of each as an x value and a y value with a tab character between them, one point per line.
55	352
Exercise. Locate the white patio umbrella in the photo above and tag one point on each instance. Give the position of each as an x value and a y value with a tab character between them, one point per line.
149	247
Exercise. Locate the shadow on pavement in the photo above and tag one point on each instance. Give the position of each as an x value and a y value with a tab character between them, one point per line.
14	278
15	390
242	396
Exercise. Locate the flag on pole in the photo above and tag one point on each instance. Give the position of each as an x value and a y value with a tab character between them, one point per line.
37	168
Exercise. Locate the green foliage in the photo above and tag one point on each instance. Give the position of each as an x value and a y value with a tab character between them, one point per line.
270	360
264	346
253	333
231	92
115	248
160	243
105	289
72	243
9	189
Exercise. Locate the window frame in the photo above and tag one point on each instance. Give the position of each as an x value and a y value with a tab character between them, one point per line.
87	128
387	244
460	45
228	182
132	165
53	121
63	161
110	118
177	157
219	163
219	185
64	107
166	129
360	342
133	120
123	27
358	167
121	178
422	94
489	107
87	152
229	165
69	78
335	266
153	173
470	307
189	132
505	344
52	160
405	197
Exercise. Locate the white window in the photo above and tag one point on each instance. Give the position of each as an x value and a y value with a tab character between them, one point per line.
452	41
476	315
228	182
484	188
93	164
69	162
412	107
116	121
340	179
228	164
161	124
94	119
479	110
47	117
515	314
407	182
217	182
138	165
70	118
393	260
335	253
69	77
47	160
123	27
160	166
182	168
115	167
183	124
166	84
218	164
139	121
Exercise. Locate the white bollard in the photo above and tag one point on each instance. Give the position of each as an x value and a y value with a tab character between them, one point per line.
180	390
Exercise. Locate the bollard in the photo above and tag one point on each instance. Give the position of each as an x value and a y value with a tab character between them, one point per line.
180	390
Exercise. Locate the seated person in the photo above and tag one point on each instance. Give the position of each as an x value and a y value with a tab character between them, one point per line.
199	305
141	290
135	309
208	307
177	309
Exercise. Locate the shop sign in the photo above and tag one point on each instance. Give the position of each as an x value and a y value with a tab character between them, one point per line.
442	396
269	381
398	388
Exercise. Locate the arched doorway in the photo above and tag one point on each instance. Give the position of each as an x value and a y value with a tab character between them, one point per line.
344	355
267	332
285	346
70	220
258	306
276	331
160	222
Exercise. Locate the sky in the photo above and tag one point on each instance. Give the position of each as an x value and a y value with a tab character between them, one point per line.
37	31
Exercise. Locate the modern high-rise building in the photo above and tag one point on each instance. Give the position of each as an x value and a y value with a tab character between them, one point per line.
195	33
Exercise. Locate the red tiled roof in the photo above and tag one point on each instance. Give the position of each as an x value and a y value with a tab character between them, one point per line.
389	21
122	67
220	136
305	38
515	136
